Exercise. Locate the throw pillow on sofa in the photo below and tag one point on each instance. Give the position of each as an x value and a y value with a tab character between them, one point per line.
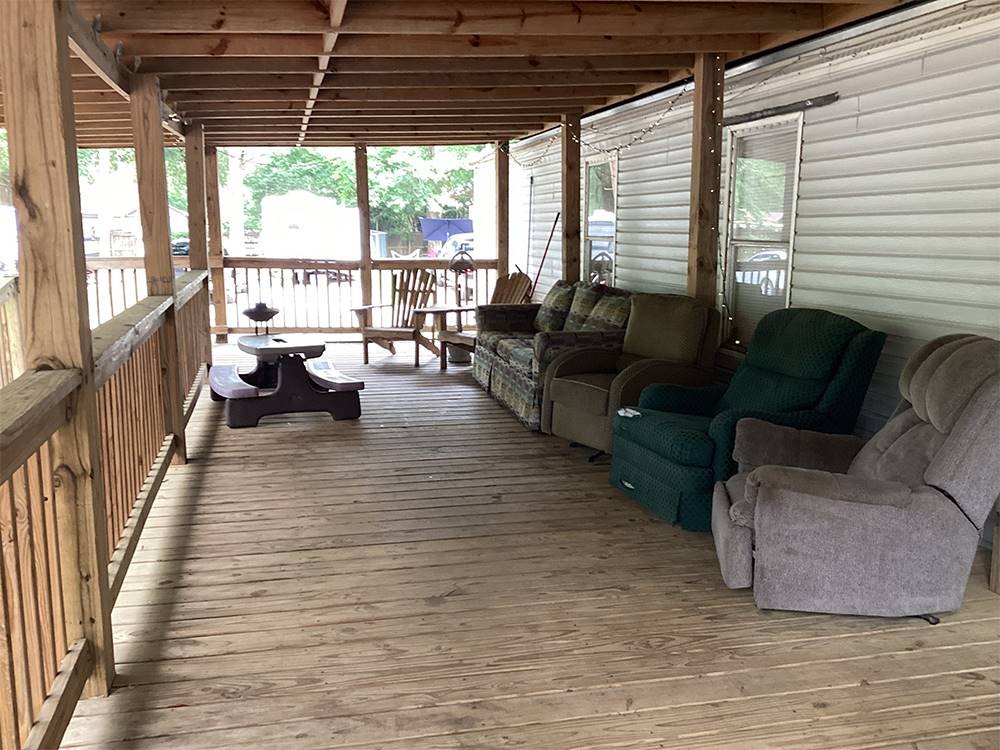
552	314
586	296
609	314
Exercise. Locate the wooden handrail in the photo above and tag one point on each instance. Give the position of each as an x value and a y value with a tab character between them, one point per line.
399	264
115	340
122	557
296	264
386	264
100	263
188	285
57	710
32	408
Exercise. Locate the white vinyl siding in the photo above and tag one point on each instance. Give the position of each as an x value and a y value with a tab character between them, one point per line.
544	182
898	220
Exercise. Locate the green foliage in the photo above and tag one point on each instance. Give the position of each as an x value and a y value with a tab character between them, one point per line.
407	183
88	165
298	169
404	183
758	196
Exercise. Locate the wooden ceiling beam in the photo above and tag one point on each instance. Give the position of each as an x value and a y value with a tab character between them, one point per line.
466	127
584	93
416	45
456	105
219	123
237	82
92	52
307	65
458	95
540	18
206	112
553	19
185	16
226	65
372	141
219	45
429	45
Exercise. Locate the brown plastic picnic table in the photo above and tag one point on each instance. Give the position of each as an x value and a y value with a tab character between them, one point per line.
294	377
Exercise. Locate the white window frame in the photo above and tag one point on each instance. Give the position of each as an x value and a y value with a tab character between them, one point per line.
588	162
732	135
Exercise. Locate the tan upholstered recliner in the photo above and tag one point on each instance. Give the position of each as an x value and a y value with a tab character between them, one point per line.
828	523
669	339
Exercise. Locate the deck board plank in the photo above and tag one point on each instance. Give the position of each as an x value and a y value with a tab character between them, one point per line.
433	576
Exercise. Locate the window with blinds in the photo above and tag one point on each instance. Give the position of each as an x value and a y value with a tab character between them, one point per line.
763	183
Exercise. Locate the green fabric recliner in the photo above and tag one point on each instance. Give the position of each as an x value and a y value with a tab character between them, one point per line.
808	369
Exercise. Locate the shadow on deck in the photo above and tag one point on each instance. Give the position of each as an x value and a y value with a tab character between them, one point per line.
433	576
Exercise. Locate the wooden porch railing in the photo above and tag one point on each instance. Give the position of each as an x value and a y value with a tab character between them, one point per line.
41	673
11	352
318	295
116	283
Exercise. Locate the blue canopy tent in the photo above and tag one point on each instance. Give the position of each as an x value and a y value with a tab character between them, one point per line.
439	230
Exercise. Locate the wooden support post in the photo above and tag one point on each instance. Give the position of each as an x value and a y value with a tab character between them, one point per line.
571	198
217	275
364	218
706	176
38	102
154	211
194	159
503	208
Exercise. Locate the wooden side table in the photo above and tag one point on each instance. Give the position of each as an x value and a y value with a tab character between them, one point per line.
446	337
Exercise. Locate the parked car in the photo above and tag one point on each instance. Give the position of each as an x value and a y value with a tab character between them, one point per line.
767	269
180	246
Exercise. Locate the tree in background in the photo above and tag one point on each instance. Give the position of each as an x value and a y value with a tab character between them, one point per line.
407	183
89	167
298	169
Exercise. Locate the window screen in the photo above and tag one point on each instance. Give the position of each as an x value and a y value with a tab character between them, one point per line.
761	218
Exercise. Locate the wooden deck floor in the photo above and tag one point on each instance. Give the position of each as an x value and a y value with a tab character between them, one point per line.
433	576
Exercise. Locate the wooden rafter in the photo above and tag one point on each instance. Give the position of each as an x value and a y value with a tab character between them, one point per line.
335	14
321	72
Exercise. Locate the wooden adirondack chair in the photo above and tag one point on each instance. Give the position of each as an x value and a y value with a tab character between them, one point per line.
411	291
509	290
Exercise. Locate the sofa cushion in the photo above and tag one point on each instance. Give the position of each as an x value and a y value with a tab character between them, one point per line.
551	316
610	312
519	351
490	339
666	326
584	299
681	438
586	392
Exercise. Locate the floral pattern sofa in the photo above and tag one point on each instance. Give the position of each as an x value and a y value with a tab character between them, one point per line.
516	343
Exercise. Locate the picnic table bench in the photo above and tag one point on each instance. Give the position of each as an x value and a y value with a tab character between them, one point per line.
289	378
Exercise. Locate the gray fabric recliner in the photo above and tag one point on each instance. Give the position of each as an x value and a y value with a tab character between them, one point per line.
828	523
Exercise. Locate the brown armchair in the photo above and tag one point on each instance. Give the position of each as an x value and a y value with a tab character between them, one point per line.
669	339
